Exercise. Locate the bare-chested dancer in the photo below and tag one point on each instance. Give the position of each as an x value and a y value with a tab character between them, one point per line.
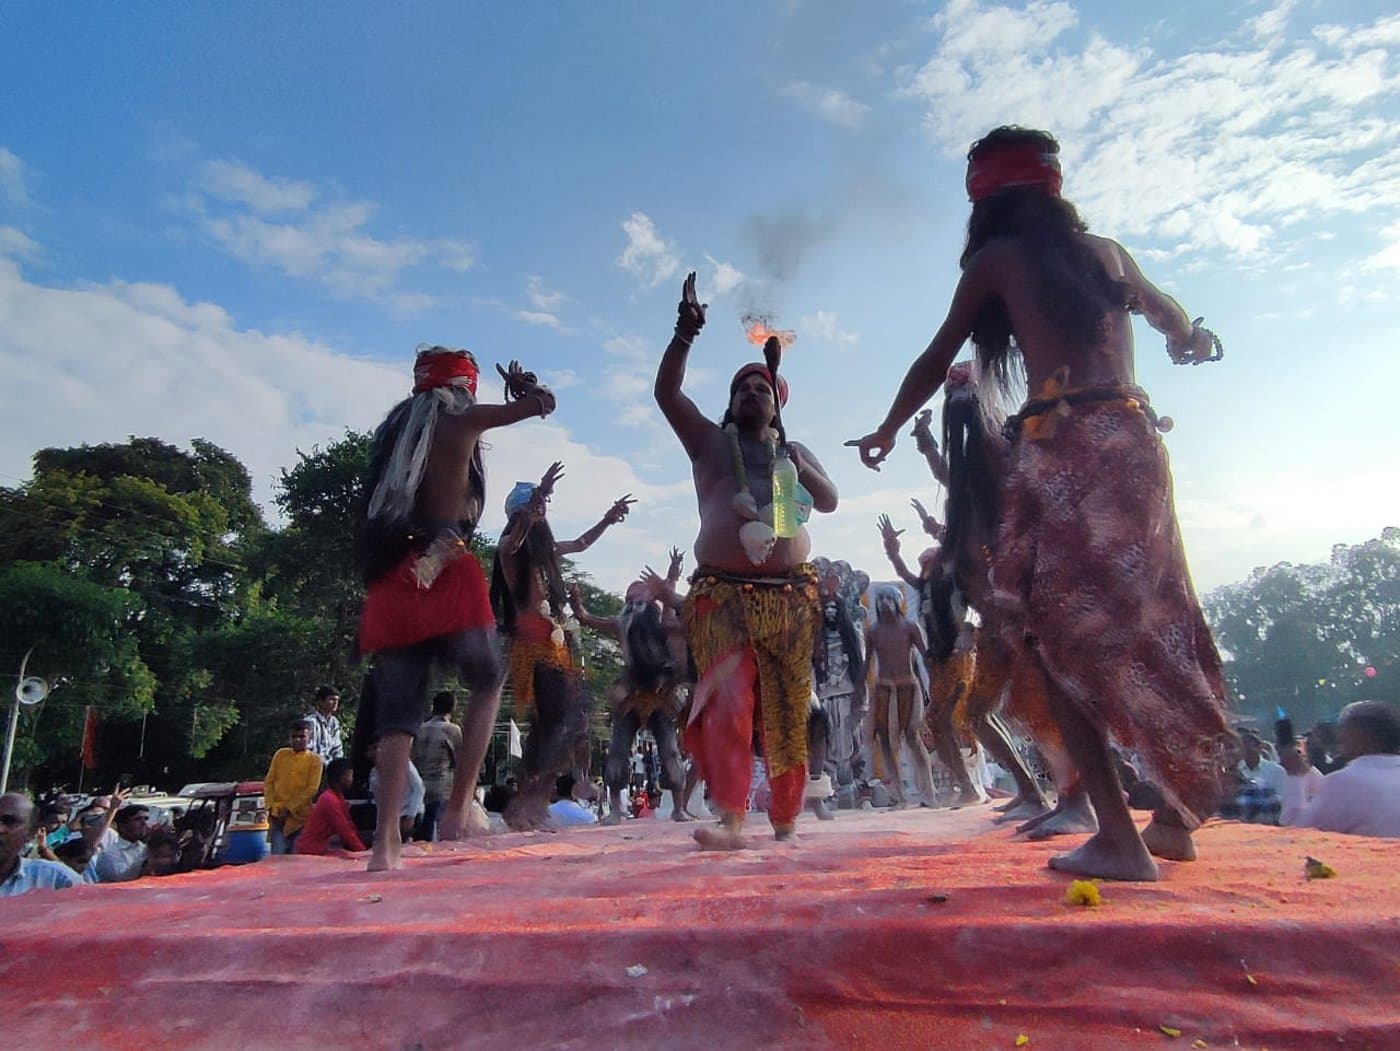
647	694
427	601
1121	640
528	594
751	613
892	641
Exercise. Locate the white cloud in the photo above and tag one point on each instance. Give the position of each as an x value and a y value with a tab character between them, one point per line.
541	298
648	256
13	180
824	325
724	278
830	104
292	227
1269	25
234	181
562	379
1222	147
179	370
538	317
16	244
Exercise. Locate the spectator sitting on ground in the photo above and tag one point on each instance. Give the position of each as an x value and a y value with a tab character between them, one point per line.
329	828
567	809
125	860
1363	797
1253	802
289	787
18	874
1256	767
413	793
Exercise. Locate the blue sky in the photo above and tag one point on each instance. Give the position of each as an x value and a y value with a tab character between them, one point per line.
236	221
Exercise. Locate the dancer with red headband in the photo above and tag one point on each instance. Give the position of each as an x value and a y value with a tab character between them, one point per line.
1088	574
427	599
751	614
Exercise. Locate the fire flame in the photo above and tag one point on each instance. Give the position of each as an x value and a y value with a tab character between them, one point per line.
756	327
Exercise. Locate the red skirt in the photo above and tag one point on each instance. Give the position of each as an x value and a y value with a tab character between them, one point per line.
397	612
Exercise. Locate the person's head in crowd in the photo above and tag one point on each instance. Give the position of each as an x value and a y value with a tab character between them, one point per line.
301	735
1251	749
1322	743
513	784
444	703
162	852
53	817
564	786
16	829
132	821
1368	728
497	798
327	700
340	775
91	820
76	853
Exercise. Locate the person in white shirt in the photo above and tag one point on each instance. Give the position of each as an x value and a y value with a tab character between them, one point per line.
125	859
18	874
568	809
1255	767
1362	798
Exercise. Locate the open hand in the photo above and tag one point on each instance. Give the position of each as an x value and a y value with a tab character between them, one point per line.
618	511
657	586
546	486
690	312
889	534
874	447
677	559
931	526
923	433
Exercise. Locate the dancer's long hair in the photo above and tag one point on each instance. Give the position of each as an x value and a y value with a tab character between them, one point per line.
536	555
850	641
389	489
975	468
1072	285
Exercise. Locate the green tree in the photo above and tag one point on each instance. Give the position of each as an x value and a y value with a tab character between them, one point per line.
1300	637
79	632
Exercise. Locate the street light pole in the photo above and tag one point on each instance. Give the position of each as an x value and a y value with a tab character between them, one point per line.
14	725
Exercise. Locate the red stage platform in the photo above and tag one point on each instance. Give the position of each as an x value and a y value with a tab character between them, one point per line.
917	929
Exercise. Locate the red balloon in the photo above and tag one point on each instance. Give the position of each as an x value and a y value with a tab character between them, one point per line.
1370	673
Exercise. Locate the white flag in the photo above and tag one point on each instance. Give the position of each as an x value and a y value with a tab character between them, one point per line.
513	747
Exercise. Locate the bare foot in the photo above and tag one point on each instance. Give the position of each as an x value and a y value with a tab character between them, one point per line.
1002	808
527	814
385	857
721	838
1071	814
967	797
463	824
613	818
819	807
785	833
1025	811
677	814
1108	860
1169	841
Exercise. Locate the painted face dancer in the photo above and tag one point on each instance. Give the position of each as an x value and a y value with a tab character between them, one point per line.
649	692
892	641
834	728
1121	641
529	598
751	614
427	599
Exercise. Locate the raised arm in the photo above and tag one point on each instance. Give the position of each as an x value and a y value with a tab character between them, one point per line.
685	419
979	282
602	625
587	539
890	537
928	447
1187	343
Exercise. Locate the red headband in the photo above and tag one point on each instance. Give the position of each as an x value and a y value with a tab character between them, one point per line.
444	368
757	367
1001	169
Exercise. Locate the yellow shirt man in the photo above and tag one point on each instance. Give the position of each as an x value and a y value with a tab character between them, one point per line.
291	782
